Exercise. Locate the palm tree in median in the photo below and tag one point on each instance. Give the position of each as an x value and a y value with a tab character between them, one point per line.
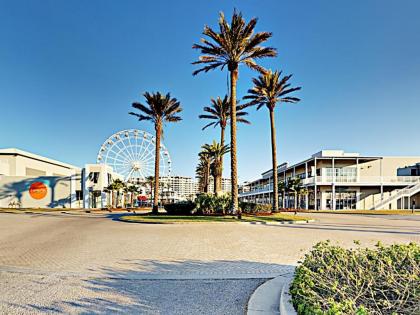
159	109
234	44
203	170
151	181
269	89
219	114
216	151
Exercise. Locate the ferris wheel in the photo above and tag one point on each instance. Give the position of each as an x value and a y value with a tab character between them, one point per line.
131	153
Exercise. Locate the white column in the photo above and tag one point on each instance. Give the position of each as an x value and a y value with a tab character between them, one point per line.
315	192
382	184
85	189
357	170
306	196
333	184
73	189
103	199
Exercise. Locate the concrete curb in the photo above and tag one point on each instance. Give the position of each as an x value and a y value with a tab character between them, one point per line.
210	222
272	298
286	306
278	223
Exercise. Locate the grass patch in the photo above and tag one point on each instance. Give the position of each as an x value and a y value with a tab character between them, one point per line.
167	219
370	212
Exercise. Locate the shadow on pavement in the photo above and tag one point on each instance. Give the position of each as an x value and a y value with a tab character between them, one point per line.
156	287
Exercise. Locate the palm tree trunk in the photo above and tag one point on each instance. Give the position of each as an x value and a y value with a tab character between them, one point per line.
158	128
222	136
233	161
274	160
215	184
222	143
206	190
217	178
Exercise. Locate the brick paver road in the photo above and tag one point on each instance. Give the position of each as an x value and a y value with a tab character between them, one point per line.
85	264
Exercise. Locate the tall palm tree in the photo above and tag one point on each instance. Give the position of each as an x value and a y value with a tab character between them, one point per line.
203	171
234	44
159	109
294	185
216	151
219	114
132	189
151	181
115	187
269	89
282	188
206	160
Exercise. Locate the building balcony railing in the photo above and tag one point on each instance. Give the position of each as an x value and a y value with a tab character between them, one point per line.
328	180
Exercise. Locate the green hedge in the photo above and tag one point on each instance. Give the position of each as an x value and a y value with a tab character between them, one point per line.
211	204
180	208
382	280
252	208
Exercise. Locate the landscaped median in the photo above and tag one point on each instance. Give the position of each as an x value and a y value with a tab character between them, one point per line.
276	218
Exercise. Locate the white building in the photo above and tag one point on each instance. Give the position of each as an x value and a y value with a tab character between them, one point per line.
226	185
335	179
185	187
33	181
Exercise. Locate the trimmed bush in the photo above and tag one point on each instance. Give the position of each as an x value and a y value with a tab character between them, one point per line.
211	204
333	280
180	208
255	208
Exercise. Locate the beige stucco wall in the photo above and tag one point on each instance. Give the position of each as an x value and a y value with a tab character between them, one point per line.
16	165
23	162
389	166
7	165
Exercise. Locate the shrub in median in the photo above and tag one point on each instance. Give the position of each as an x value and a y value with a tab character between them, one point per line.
180	208
211	204
255	208
334	280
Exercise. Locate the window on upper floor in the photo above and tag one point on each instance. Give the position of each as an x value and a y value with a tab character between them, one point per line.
94	177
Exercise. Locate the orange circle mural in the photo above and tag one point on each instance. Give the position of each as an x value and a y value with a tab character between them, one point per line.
38	190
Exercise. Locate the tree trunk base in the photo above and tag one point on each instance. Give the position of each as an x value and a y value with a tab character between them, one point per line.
155	210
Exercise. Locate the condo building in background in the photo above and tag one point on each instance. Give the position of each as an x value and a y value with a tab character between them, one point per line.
334	179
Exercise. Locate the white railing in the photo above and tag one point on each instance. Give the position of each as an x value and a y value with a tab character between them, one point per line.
369	179
378	180
404	192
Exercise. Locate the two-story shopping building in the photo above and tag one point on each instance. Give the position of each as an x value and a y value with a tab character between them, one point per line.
334	179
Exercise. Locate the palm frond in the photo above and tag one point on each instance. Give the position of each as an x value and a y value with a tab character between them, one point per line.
232	44
271	88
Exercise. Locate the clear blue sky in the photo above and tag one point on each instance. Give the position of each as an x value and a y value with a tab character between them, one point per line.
69	71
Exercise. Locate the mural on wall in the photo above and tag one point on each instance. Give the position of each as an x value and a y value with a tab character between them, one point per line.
38	190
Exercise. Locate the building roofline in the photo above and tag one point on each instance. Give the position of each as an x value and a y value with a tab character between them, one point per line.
18	152
338	157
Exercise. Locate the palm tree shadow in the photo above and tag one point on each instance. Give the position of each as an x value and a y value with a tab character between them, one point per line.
177	287
14	190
